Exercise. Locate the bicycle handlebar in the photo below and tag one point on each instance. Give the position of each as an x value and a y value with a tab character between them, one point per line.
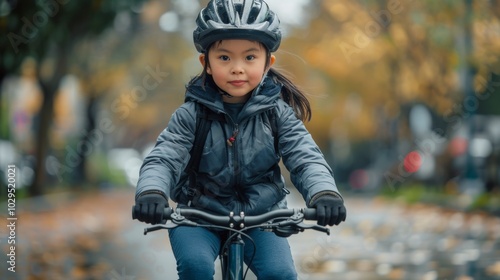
190	213
294	216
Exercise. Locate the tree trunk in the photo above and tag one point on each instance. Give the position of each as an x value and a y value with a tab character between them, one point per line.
471	182
80	171
3	74
45	119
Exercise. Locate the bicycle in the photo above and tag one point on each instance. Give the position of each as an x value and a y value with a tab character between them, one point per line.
281	221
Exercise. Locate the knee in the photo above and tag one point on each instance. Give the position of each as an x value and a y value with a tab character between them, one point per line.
274	273
195	268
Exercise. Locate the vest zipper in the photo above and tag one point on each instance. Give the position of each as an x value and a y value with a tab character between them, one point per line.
236	162
230	141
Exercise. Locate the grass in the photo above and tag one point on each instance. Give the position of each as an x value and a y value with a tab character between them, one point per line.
419	193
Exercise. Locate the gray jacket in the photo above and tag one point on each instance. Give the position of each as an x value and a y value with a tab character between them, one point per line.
238	177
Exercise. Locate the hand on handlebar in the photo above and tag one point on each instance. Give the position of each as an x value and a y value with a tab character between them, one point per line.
283	222
149	208
330	210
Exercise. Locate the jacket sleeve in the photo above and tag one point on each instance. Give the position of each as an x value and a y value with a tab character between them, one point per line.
162	168
309	171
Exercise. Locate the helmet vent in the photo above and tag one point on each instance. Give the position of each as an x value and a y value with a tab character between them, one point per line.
237	19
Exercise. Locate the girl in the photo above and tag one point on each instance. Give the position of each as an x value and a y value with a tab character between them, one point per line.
238	170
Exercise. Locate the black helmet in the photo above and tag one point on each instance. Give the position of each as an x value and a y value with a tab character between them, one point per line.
237	19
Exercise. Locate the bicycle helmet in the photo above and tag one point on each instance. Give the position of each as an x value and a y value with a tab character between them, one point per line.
237	19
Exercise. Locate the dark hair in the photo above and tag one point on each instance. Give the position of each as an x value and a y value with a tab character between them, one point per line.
290	93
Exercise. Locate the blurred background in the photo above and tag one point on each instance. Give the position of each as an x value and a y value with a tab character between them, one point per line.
406	109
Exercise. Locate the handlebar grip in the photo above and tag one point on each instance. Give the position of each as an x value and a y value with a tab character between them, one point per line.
167	212
310	213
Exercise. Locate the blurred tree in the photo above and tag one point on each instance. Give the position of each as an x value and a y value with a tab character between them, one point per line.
370	59
393	53
49	31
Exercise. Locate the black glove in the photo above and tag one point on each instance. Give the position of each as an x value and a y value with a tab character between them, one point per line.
149	208
330	210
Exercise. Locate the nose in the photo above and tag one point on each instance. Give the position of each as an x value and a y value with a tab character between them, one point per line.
236	69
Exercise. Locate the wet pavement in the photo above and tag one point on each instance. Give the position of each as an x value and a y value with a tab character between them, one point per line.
93	237
383	240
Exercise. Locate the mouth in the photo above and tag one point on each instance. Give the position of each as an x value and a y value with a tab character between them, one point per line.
237	83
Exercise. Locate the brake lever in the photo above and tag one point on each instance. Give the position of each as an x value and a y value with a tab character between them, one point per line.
177	220
157	227
297	222
304	226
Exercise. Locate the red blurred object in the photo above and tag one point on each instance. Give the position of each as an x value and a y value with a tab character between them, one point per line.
359	179
458	146
412	162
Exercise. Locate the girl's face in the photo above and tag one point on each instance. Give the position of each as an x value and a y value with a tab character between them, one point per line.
237	67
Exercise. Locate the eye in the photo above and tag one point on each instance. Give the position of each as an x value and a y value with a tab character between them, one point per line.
250	57
224	58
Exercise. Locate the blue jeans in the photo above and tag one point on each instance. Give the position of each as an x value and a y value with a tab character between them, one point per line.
196	250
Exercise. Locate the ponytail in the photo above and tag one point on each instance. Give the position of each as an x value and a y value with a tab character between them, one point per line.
292	95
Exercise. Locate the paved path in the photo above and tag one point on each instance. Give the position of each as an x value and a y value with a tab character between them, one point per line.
93	237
